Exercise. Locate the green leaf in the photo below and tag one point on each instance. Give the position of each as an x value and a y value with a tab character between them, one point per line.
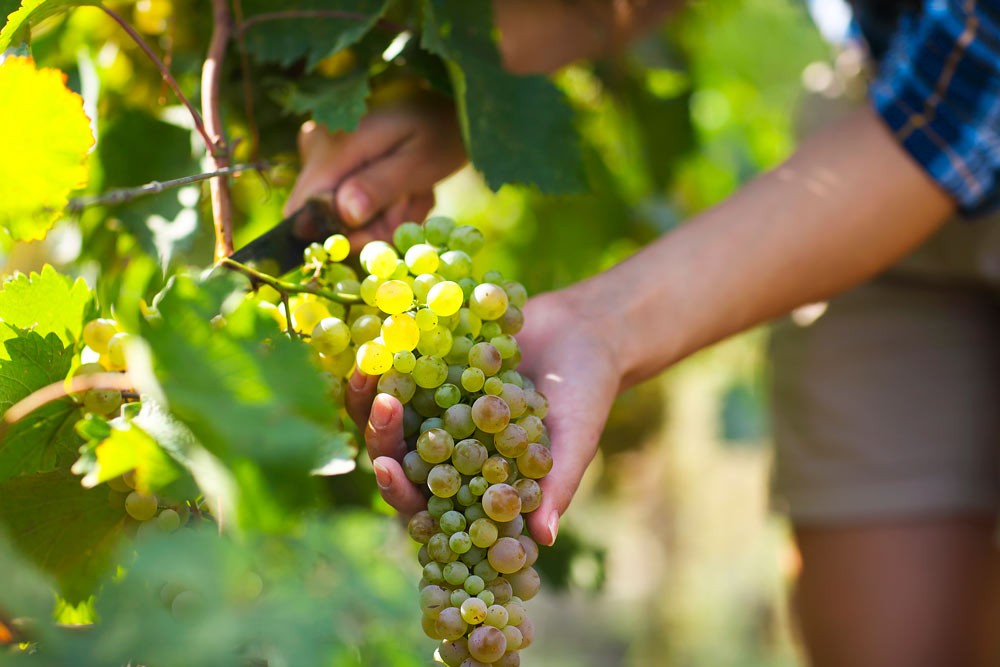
127	447
45	439
312	36
67	305
45	137
518	129
62	528
259	408
338	104
31	12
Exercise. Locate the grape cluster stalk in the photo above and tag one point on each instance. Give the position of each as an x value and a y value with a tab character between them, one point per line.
443	344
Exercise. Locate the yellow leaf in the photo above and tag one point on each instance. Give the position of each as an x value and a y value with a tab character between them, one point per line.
44	140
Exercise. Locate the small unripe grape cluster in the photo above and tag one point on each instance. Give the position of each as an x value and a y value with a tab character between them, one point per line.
442	343
151	514
104	337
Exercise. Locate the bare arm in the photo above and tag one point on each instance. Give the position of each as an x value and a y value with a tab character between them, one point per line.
540	36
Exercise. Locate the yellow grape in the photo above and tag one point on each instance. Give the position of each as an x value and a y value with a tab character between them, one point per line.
422	258
400	333
337	248
116	352
306	314
426	319
379	259
97	333
445	298
374	358
393	296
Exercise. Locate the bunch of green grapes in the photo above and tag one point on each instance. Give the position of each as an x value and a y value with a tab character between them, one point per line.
443	343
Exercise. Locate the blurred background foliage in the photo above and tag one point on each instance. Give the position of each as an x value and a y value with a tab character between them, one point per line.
669	556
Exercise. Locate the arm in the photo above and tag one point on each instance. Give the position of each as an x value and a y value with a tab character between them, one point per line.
541	36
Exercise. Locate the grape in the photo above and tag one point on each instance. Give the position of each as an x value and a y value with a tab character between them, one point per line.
374	358
474	584
512	528
452	521
331	336
524	583
458	422
97	334
459	353
439	550
452	653
365	328
460	542
478	485
400	332
458	597
415	468
513	396
422	527
474	511
168	521
379	259
493	386
490	413
527	629
486	595
512	321
487	644
443	480
422	258
483	533
337	247
472	662
505	345
496	469
485	571
397	384
507	555
429	626
456	572
422	285
404	361
512	441
501	590
430	372
485	357
473	379
465	496
466	238
488	301
407	235
436	342
473	556
435	446
140	506
433	599
468	324
116	351
514	641
500	502
469	456
423	401
530	493
455	265
438	229
393	297
496	615
473	611
438	506
515	612
533	427
536	462
102	401
450	624
490	331
314	254
447	395
445	298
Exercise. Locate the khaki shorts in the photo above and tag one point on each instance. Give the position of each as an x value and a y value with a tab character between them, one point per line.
888	405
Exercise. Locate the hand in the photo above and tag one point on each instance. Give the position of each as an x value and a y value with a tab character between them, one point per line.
384	172
566	351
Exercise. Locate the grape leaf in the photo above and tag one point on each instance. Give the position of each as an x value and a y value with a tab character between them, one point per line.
65	529
26	594
517	129
68	305
44	440
31	12
45	137
126	447
260	408
338	104
313	36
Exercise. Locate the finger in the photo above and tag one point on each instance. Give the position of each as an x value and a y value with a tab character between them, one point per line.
396	489
384	433
361	390
413	208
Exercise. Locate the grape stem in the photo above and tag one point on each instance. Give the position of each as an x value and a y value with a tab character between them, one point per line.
211	78
61	389
164	72
123	195
283	287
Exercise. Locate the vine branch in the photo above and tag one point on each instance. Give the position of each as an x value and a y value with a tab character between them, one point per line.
211	78
164	72
285	288
122	195
62	389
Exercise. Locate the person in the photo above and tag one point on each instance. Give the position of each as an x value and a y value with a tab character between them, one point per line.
886	408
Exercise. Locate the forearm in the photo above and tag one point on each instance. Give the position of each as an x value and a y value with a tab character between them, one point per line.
847	205
541	36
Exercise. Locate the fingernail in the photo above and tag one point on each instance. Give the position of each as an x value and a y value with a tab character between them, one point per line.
553	527
382	476
358	381
381	413
355	203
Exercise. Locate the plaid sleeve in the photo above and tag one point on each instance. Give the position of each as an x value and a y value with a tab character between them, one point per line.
938	90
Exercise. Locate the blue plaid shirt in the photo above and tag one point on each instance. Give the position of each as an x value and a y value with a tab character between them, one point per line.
938	90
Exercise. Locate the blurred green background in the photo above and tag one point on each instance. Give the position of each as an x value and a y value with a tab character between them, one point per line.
670	555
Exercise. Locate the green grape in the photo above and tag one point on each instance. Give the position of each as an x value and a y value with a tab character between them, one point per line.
453	653
525	583
429	423
538	405
331	336
439	550
394	297
487	644
437	229
473	512
536	461
332	273
530	493
496	615
515	611
455	265
478	485
514	378
102	401
460	543
502	592
433	600
397	384
491	330
429	626
496	470
314	254
340	365
443	480
459	353
533	426
141	506
505	345
465	497
511	658
400	332
445	298
485	571
490	413
429	372
422	527
512	441
337	247
438	506
435	446
493	276
486	595
486	357
514	397
469	456
473	379
365	328
466	238
374	358
369	287
379	259
512	528
449	624
422	258
455	573
415	468
483	532
116	351
436	342
451	522
467	285
473	584
458	597
423	400
407	235
404	361
530	549
433	571
426	319
168	521
422	285
401	273
473	611
512	321
447	395
507	555
473	556
501	502
349	286
97	334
